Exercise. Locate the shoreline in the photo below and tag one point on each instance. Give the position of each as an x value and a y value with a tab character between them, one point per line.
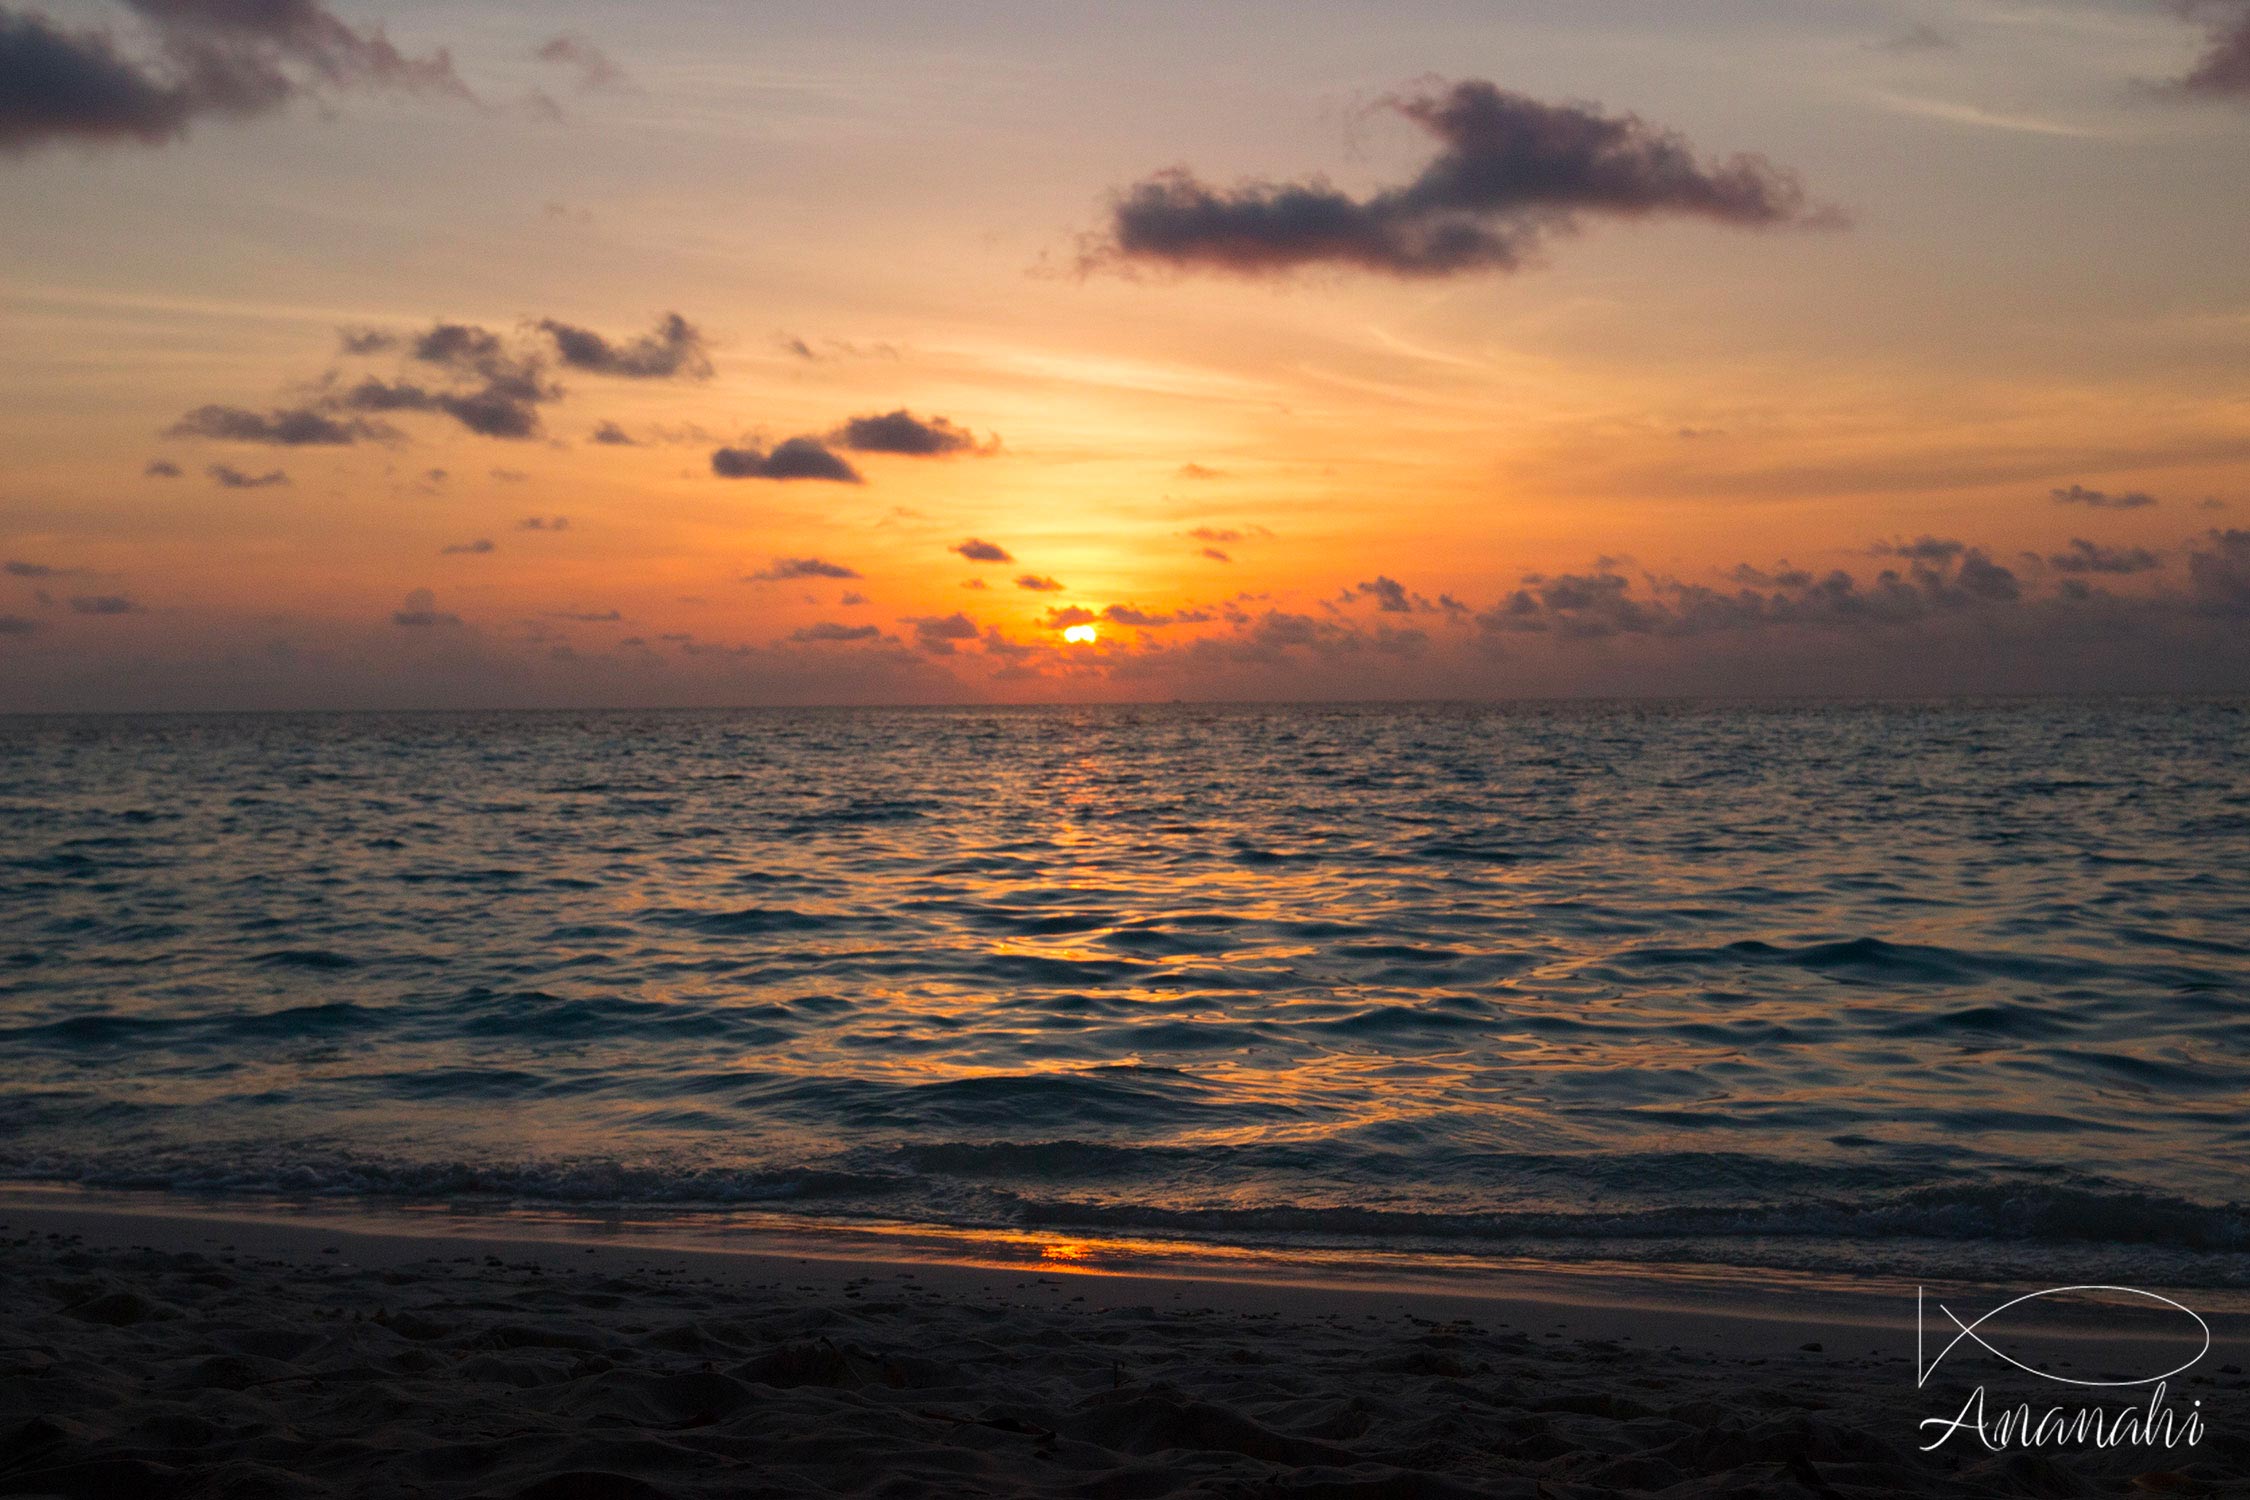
149	1350
1719	1309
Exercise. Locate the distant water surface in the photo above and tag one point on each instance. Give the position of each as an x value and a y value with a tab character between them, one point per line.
1943	989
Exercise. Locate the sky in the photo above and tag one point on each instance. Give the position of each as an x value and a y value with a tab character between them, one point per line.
492	354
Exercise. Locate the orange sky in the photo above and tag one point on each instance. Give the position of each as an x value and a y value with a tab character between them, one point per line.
2012	273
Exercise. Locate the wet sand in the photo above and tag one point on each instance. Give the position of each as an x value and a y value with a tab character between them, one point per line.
146	1353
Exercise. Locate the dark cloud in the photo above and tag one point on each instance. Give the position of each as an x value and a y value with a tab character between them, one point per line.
2089	557
588	617
358	343
203	58
1216	555
476	548
76	85
2078	494
904	433
595	68
500	409
675	350
828	630
17	625
103	604
1944	578
1038	583
1781	575
1511	172
782	569
161	468
544	523
1067	615
977	550
1389	594
798	458
295	427
421	612
228	477
497	393
1126	614
2219	575
938	634
1215	534
614	436
18	569
1926	549
2223	70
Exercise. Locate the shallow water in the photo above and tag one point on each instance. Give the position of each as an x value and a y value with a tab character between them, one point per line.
1944	989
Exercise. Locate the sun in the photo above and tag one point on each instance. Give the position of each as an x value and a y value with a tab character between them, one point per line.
1080	635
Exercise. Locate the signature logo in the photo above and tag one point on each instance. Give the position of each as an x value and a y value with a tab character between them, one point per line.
1924	1368
2154	1426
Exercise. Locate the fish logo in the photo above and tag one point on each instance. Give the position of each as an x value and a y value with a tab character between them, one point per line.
1925	1367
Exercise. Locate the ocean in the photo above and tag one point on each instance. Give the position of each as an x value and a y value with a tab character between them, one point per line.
1912	989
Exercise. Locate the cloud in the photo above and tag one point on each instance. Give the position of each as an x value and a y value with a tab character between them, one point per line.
976	584
17	625
294	427
228	477
937	634
614	436
2223	70
103	604
1510	173
587	616
782	569
1388	593
2219	578
228	59
421	612
544	523
1038	583
1068	615
2088	557
852	596
1126	614
1945	578
161	468
828	630
18	569
797	458
2078	494
596	69
477	548
1216	555
904	433
1927	549
675	350
976	550
360	342
1196	471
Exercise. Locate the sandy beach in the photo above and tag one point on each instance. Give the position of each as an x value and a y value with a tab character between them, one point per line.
252	1357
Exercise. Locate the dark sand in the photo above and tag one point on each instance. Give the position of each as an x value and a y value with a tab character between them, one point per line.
147	1354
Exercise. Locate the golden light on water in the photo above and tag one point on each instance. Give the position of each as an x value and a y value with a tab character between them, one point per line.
1080	635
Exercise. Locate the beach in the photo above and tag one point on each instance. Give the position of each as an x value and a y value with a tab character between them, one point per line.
150	1352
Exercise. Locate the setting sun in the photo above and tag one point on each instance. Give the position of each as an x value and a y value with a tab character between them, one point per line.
1080	635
